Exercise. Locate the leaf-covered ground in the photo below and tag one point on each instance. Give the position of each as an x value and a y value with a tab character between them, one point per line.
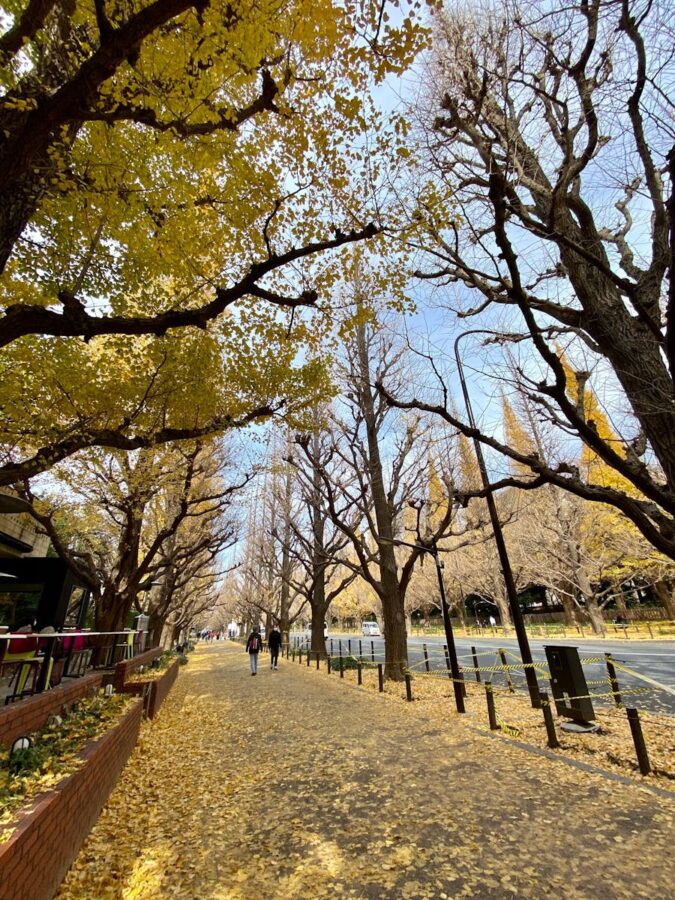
612	749
291	784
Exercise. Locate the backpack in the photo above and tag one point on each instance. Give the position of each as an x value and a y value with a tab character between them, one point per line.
254	646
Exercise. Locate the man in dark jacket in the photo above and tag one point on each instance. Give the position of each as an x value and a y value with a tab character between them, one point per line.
253	648
274	642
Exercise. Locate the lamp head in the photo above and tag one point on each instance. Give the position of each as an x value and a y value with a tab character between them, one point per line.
21	743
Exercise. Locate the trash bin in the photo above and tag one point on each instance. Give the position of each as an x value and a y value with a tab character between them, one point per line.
568	684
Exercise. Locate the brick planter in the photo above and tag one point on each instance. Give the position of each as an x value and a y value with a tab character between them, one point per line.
127	666
29	715
153	692
49	833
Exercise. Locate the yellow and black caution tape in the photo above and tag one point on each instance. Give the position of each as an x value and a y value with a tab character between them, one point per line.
511	730
516	666
653	682
565	699
501	668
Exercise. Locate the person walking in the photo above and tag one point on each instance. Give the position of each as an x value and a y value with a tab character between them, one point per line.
253	648
274	643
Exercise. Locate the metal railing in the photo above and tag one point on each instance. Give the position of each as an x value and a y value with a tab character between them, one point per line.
49	657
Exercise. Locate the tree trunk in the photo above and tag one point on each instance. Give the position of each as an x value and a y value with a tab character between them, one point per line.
504	612
569	609
393	612
112	612
621	603
664	591
318	641
395	635
317	598
458	606
595	615
155	627
286	566
566	597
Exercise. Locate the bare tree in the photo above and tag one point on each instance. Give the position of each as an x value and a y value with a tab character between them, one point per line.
373	470
552	128
319	545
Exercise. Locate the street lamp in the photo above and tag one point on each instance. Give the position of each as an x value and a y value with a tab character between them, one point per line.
507	572
147	586
457	680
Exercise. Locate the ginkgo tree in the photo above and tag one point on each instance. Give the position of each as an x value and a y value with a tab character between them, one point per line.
163	161
60	396
583	553
121	520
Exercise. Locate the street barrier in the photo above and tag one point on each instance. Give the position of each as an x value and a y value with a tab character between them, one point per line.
508	666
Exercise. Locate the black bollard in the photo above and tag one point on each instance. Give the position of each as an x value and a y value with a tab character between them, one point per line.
380	677
475	663
552	737
492	714
502	656
639	741
613	680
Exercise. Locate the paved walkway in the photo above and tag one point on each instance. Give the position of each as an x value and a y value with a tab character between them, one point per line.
292	784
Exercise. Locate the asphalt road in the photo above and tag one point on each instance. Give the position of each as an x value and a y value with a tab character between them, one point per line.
654	659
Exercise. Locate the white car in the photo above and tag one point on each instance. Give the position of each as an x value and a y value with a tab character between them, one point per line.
371	629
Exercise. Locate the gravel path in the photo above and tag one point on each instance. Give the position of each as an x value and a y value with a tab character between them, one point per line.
291	784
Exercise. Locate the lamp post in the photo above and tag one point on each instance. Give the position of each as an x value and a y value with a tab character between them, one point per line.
449	634
457	685
147	586
507	572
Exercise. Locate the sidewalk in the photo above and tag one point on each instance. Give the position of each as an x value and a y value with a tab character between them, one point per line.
294	785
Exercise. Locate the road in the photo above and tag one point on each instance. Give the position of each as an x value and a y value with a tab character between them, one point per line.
654	659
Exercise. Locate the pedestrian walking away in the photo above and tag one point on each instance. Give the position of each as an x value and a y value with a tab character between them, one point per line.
253	648
274	643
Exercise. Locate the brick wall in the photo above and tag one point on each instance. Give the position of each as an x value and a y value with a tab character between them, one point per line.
127	666
35	859
153	692
161	688
29	715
